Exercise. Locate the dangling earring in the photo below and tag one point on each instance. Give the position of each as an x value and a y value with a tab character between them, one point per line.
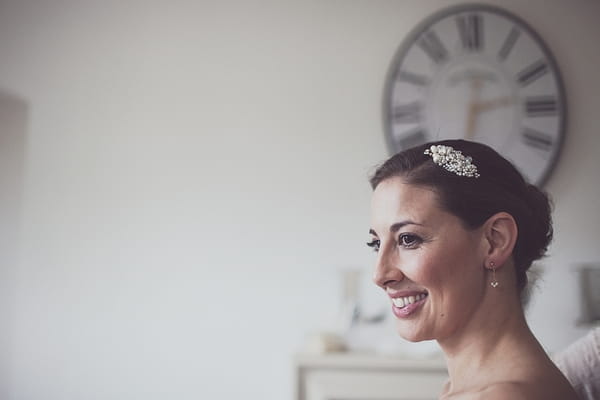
494	282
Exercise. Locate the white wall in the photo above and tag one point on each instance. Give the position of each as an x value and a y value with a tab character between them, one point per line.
193	176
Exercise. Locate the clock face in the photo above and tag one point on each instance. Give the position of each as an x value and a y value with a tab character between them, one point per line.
479	73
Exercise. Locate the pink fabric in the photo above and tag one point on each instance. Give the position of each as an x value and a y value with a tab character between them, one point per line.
580	362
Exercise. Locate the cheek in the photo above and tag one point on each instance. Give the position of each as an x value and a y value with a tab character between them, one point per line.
444	266
458	272
427	269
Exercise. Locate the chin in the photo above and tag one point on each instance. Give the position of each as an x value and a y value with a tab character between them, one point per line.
414	339
413	336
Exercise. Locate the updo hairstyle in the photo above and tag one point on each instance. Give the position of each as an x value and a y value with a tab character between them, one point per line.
500	187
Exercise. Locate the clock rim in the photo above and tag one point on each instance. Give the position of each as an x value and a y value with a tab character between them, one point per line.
429	20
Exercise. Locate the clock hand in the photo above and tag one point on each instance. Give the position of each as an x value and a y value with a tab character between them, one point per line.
473	110
486	105
471	121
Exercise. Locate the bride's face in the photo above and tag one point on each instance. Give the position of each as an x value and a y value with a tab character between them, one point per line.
428	262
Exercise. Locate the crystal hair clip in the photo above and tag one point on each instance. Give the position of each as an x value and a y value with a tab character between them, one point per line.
452	160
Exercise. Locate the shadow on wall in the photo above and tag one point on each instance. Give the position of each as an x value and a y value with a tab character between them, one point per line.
13	127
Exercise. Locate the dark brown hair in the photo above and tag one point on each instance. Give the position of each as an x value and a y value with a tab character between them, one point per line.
499	188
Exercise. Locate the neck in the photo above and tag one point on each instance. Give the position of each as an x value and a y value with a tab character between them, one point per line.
493	336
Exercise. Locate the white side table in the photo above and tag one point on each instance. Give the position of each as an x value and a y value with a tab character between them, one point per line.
364	376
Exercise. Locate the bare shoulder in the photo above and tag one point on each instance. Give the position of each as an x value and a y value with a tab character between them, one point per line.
526	391
513	390
507	390
496	391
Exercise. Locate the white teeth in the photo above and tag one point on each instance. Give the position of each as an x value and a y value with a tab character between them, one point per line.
398	302
404	301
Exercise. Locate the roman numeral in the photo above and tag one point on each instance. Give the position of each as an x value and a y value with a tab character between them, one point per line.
537	139
431	44
411	138
541	106
471	32
532	72
407	113
411	77
508	44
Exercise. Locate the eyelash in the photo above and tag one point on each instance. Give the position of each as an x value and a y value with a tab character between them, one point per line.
413	243
374	244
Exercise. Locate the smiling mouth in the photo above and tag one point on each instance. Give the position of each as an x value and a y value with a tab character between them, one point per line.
402	302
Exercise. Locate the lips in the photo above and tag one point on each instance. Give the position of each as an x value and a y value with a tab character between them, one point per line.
406	304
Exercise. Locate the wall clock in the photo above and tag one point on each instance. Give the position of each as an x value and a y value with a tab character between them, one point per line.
480	73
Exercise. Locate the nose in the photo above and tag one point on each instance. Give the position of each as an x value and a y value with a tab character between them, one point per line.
387	270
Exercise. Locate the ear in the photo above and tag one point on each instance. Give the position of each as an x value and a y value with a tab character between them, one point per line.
501	235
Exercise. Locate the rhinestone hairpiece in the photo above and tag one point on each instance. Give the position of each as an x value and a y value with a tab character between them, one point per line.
452	160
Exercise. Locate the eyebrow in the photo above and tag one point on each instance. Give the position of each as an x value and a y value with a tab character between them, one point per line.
397	226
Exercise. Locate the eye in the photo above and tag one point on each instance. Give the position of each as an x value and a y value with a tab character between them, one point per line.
374	244
409	240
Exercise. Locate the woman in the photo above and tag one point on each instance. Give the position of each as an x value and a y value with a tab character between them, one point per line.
456	227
